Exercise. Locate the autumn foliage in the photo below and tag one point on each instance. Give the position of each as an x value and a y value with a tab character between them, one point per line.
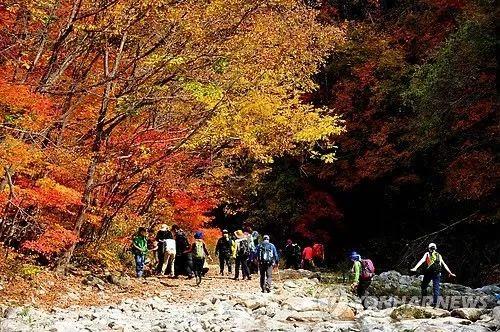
117	114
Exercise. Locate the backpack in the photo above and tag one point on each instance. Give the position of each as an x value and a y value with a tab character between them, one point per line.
433	267
181	242
199	252
243	248
266	254
367	269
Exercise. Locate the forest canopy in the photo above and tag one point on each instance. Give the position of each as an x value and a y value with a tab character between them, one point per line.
361	124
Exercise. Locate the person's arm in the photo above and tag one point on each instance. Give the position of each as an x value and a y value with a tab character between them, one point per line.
206	251
420	262
217	247
136	245
447	268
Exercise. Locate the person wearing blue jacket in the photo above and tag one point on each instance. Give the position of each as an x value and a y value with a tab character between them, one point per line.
268	258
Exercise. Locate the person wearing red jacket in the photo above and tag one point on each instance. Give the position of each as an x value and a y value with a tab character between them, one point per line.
307	258
318	254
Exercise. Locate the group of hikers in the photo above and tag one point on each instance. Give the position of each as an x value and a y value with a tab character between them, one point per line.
364	270
311	257
175	255
251	253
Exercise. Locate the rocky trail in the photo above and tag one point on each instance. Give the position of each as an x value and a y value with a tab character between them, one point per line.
300	301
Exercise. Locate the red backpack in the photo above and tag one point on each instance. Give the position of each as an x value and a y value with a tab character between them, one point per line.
367	269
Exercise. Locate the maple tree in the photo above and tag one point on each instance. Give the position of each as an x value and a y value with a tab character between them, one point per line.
115	113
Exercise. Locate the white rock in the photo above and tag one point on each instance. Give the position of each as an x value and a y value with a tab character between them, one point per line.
309	316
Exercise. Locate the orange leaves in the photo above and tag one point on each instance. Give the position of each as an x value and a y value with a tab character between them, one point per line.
22	107
53	241
192	207
51	194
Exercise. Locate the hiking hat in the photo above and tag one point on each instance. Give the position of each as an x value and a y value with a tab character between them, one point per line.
432	245
224	231
355	256
163	227
266	237
198	235
239	234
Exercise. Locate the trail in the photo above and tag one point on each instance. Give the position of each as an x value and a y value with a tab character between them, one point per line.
298	302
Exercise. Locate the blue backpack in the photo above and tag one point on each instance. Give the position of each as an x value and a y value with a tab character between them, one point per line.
266	254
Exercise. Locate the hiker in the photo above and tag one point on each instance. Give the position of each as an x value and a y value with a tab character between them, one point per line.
364	271
242	254
292	255
434	262
234	247
162	236
223	251
183	257
253	263
307	262
318	254
140	250
268	258
199	253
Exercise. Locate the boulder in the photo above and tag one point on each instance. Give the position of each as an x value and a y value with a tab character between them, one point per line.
93	281
472	314
342	311
496	313
116	279
446	324
489	289
304	304
10	312
408	311
11	325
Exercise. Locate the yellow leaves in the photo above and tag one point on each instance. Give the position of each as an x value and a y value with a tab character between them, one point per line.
17	154
267	125
40	10
208	94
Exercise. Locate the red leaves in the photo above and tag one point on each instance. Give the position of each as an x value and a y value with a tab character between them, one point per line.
53	241
469	116
472	176
320	216
192	207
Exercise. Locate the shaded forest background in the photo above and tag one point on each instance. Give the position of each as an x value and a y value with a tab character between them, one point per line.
415	82
366	125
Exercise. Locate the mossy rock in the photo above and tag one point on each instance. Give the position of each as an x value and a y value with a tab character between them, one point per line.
408	311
